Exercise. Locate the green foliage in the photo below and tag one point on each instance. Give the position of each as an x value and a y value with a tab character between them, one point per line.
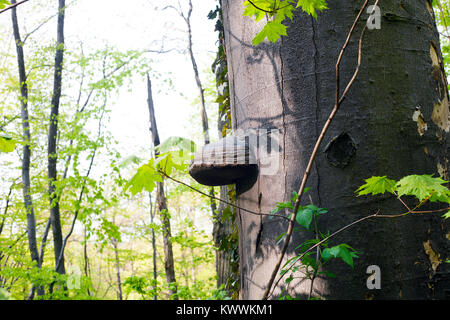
310	263
7	144
4	4
178	144
376	185
277	12
447	215
146	178
305	214
272	31
4	295
442	14
177	153
147	288
288	204
343	251
311	6
423	187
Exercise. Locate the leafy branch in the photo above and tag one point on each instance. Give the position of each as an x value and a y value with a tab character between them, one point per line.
424	188
276	12
5	5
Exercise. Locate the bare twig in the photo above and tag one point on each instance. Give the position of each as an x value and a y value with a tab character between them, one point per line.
221	200
38	27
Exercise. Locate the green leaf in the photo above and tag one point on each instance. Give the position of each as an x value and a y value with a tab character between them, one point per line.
281	206
343	251
251	10
280	237
7	144
447	215
145	178
306	245
272	31
177	143
278	11
284	10
422	186
130	160
377	185
4	295
4	3
305	214
304	217
329	274
310	6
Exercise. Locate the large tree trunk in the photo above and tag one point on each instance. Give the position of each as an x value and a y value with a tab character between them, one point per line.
290	86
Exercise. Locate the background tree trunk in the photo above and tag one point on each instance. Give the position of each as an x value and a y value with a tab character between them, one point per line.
154	252
26	156
162	203
224	226
198	82
117	262
52	143
290	86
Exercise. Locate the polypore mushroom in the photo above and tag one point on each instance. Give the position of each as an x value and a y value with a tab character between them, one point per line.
228	161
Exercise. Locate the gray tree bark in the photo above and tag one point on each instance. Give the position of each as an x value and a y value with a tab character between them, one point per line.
26	157
290	86
154	252
52	142
114	242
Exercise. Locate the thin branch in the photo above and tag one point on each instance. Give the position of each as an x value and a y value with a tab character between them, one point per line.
431	211
80	198
38	27
400	199
261	9
44	242
38	67
219	199
8	121
5	212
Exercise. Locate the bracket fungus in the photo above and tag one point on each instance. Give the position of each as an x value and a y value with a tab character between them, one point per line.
228	161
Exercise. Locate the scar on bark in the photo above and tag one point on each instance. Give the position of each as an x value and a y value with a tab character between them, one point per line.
340	150
418	117
441	112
